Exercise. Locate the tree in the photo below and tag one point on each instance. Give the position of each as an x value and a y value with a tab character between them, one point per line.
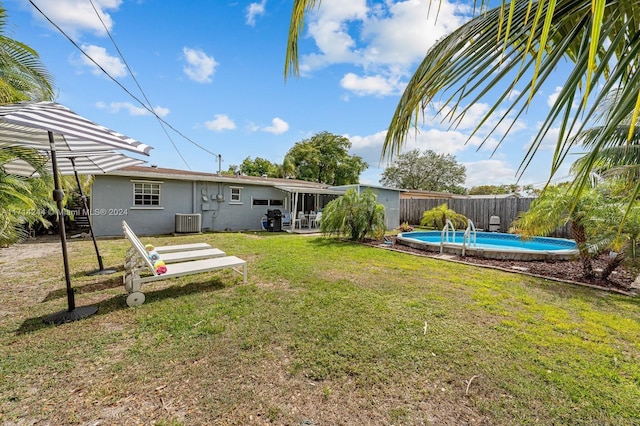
22	201
555	208
508	53
355	215
23	77
512	188
438	216
324	158
427	171
257	167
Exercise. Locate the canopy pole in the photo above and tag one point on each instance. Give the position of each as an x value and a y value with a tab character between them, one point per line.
72	313
100	271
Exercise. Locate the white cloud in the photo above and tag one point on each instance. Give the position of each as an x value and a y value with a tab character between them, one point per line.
390	38
76	16
220	122
371	85
551	99
440	141
253	10
111	64
278	126
513	94
115	107
489	172
200	67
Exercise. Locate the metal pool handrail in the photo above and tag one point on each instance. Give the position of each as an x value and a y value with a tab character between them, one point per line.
469	236
444	236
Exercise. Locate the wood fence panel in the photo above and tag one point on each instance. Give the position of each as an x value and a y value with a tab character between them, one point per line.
479	210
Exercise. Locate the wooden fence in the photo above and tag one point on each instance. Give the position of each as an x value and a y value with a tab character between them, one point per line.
479	210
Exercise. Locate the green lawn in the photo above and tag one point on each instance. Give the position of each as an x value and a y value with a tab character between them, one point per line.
325	332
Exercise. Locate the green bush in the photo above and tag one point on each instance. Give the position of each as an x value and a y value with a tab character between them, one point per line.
437	217
355	215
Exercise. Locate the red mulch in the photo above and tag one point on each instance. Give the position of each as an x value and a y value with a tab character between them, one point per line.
620	280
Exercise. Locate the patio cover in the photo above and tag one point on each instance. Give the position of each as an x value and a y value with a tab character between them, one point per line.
295	190
52	127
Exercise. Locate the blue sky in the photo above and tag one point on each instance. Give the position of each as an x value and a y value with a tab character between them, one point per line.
213	70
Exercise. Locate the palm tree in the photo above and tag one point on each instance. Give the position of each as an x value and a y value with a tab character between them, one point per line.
23	77
355	215
22	201
555	208
516	47
437	217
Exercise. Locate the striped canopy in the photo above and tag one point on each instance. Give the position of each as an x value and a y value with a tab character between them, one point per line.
89	163
28	124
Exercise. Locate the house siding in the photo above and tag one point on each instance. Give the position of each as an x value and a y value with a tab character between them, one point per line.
112	202
388	197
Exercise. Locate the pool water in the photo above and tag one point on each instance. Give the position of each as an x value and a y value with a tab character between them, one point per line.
493	245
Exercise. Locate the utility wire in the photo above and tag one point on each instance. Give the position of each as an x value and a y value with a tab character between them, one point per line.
120	84
137	83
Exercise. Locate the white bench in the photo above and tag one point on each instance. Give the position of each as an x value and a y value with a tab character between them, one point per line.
140	262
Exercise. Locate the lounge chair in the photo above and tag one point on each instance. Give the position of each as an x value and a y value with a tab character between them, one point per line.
166	249
134	265
170	254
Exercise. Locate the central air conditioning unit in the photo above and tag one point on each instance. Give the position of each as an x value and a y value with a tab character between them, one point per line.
188	223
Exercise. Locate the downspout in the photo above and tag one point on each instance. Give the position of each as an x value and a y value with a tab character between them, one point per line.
194	187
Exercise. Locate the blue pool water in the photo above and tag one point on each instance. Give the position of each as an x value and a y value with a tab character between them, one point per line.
496	241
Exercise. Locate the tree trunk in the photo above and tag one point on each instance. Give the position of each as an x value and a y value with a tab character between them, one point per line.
579	234
612	265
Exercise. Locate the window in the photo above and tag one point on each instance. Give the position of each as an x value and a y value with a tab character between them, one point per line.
146	194
265	202
236	195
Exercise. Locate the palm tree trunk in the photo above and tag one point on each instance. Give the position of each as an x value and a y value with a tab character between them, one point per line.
579	234
612	265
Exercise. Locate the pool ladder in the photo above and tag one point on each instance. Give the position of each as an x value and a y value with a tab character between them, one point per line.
469	238
446	236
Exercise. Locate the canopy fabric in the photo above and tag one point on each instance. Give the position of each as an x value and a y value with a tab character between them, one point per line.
90	163
28	124
51	127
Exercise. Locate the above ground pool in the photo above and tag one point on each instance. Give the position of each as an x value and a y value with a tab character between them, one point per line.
492	245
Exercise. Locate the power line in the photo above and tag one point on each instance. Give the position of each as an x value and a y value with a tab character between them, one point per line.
137	83
160	119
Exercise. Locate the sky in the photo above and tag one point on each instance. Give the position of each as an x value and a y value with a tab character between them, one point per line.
213	71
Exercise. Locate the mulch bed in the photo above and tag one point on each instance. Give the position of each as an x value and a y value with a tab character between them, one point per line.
620	281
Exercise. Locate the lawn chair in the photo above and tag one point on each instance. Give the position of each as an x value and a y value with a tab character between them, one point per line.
134	266
170	254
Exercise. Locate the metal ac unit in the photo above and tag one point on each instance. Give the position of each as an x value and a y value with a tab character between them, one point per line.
188	223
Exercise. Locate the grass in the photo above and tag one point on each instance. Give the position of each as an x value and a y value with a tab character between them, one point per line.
325	332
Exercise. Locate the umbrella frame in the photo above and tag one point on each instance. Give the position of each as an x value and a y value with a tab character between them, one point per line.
72	313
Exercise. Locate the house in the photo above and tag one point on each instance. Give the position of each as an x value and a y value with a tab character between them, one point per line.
156	200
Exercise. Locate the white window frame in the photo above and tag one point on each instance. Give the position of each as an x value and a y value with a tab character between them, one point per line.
151	183
235	199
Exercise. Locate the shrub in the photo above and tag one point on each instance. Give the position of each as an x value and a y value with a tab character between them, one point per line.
438	216
405	227
355	215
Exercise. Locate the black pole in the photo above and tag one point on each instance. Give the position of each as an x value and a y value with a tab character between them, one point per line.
86	209
58	197
93	237
71	314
